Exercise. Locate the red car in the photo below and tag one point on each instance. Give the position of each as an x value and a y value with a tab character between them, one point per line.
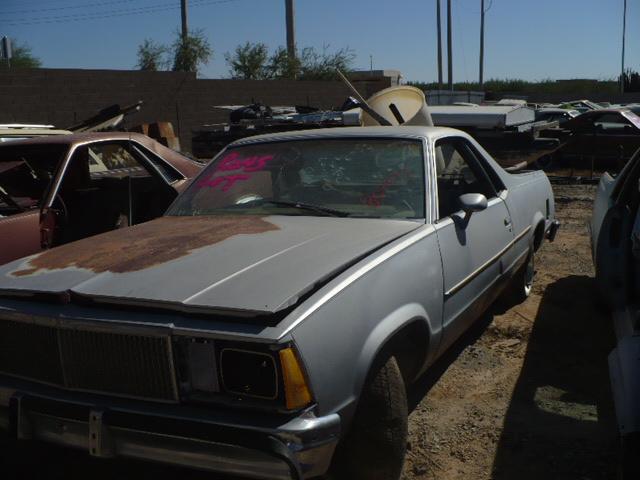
54	190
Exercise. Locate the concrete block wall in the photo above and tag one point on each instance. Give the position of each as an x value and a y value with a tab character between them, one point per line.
63	97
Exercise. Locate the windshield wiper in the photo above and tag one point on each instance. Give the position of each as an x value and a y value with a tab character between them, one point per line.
308	206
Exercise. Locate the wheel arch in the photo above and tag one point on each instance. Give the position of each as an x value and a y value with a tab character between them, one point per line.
409	326
538	227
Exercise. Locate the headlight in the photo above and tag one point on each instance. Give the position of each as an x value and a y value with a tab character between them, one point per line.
203	374
232	372
249	373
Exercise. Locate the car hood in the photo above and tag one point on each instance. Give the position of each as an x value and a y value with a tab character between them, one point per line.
220	263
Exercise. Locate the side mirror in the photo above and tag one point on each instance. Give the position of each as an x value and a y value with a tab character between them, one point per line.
472	202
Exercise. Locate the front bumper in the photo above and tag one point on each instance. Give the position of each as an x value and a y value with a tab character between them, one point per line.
552	229
301	447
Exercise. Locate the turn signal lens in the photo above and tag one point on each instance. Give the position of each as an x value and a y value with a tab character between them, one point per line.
296	391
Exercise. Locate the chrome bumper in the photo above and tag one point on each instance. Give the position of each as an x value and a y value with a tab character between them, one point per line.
300	448
552	229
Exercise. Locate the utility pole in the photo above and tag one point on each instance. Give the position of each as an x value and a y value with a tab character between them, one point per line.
291	29
624	31
439	44
480	79
183	8
5	50
449	46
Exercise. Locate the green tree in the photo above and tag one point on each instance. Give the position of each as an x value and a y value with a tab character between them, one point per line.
190	52
152	56
248	62
282	66
316	65
21	57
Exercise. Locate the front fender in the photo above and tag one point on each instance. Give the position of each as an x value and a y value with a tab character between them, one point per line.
339	341
384	332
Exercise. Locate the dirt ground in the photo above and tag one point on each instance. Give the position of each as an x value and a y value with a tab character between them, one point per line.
528	396
525	395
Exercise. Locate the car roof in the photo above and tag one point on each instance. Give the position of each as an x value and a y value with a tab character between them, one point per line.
18	131
176	158
605	110
76	138
555	110
353	132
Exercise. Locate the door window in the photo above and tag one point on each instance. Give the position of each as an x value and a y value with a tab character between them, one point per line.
457	173
113	159
613	123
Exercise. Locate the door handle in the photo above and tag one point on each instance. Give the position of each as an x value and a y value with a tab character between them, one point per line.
507	224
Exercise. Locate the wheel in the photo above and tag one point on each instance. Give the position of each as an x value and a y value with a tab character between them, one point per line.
522	282
375	446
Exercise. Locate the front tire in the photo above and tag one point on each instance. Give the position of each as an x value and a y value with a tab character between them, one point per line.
375	446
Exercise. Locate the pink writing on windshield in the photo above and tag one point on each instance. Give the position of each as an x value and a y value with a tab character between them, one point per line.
249	164
375	198
225	182
233	162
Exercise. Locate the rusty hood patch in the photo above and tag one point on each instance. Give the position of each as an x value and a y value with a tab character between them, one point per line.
145	245
218	263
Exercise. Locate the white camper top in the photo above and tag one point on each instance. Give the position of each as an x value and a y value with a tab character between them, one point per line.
484	117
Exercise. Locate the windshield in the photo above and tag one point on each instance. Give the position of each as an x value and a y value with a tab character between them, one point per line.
25	173
380	178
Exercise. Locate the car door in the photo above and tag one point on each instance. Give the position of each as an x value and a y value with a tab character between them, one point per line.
579	146
472	247
105	185
616	140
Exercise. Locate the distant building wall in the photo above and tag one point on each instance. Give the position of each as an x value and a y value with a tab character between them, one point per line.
447	97
63	97
566	97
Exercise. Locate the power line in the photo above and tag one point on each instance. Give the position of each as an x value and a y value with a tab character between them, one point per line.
68	7
101	15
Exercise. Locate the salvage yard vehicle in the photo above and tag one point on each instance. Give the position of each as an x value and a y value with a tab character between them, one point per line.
17	131
55	190
602	140
271	322
559	115
615	244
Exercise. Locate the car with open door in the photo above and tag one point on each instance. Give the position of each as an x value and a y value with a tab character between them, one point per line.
54	190
270	323
615	246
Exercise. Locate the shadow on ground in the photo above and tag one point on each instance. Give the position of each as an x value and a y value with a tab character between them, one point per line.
426	382
560	422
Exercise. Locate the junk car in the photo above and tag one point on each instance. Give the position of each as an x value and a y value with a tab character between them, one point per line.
57	189
17	131
270	323
615	243
559	115
595	141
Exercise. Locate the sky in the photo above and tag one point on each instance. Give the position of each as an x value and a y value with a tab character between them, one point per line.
527	39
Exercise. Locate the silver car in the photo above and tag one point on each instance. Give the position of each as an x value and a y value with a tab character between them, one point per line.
615	246
271	322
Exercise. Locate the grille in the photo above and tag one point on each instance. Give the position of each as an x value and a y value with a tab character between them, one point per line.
103	362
